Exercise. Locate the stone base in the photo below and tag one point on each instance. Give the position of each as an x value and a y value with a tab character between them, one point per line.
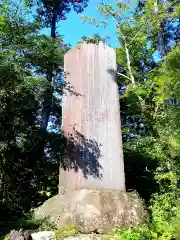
90	211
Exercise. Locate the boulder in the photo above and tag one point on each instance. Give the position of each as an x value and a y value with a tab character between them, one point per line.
19	235
94	211
43	235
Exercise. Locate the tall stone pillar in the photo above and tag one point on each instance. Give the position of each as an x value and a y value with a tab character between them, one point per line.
92	184
91	120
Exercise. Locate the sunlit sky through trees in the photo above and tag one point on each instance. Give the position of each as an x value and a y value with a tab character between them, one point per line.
73	29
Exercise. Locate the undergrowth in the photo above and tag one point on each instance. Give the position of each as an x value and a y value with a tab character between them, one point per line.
164	221
163	224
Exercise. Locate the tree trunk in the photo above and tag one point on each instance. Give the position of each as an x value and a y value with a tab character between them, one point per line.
162	45
47	102
46	108
53	26
161	40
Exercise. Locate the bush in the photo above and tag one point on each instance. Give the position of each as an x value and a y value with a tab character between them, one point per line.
164	220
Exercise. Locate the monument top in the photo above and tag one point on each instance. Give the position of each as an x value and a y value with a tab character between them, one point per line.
85	43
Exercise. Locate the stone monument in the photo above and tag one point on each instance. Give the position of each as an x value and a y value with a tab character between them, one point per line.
91	119
92	182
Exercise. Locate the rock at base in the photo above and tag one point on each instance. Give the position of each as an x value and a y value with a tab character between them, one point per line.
19	235
98	211
43	235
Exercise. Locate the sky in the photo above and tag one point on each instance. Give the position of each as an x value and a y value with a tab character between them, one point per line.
73	28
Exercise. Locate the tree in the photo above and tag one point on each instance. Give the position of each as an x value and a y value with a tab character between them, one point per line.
26	57
146	88
149	94
50	13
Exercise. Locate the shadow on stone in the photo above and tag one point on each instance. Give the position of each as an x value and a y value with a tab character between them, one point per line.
68	87
113	73
82	154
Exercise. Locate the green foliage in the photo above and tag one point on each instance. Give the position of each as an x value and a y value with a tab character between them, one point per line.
50	12
27	176
28	222
93	39
135	233
149	95
65	232
31	74
163	224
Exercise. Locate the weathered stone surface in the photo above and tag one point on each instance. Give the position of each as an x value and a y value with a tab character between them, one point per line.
94	210
91	120
19	235
43	235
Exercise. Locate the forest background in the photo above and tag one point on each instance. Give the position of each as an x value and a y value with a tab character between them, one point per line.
31	88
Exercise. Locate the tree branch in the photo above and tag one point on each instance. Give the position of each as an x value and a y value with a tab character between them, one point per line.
135	36
128	60
122	75
126	48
